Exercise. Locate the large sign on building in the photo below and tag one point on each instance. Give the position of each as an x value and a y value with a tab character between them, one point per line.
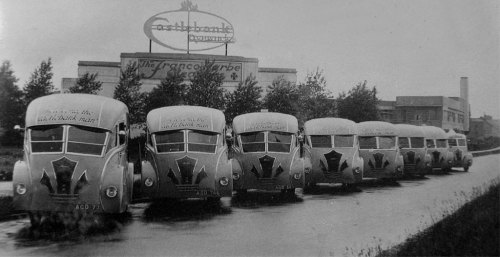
189	29
155	68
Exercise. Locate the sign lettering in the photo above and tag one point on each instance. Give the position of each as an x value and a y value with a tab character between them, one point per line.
159	68
180	28
56	116
179	123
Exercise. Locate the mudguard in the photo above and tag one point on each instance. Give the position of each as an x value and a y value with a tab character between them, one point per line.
467	162
21	175
146	191
237	176
114	176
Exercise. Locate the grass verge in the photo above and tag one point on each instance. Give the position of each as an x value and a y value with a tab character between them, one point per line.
473	230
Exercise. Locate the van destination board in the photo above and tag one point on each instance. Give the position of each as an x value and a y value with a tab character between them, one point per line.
159	68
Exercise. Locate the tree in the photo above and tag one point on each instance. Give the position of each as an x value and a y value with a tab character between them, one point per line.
12	107
40	82
282	96
315	100
170	92
87	84
244	99
206	87
128	91
359	104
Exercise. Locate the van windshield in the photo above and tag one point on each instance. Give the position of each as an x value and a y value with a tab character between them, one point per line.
343	140
253	142
461	142
404	142
46	139
417	142
86	140
430	143
202	141
169	141
387	142
441	143
367	142
452	142
321	141
279	141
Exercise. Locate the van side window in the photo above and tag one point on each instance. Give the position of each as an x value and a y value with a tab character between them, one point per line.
122	134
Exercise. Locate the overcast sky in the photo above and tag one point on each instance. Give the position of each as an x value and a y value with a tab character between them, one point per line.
402	47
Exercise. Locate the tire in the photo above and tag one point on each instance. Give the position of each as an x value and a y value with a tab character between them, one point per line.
466	169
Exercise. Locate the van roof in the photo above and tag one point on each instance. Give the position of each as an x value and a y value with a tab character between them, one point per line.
376	128
264	121
408	130
185	117
75	109
452	134
432	132
330	126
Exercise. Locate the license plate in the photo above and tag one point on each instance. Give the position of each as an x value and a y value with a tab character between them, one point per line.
279	187
87	207
202	192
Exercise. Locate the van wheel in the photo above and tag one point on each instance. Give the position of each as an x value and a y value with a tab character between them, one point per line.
466	169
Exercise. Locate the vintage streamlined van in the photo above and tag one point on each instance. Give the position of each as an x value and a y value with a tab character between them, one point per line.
186	154
458	144
75	156
411	140
333	144
378	146
268	151
436	141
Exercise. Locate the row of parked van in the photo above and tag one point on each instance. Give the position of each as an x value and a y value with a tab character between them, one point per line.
75	154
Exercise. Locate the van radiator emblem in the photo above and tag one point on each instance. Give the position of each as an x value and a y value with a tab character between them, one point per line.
333	161
46	181
201	175
435	156
267	162
81	183
186	167
255	172
172	177
64	169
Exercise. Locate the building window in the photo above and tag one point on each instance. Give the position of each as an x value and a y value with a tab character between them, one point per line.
460	118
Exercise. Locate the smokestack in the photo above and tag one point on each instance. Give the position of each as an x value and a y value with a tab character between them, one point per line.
464	94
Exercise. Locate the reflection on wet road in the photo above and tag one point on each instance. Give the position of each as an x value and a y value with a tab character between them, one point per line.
327	221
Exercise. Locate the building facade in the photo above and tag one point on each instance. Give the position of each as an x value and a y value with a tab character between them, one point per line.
153	67
449	113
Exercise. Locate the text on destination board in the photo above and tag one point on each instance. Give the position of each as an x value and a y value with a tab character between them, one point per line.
199	123
68	115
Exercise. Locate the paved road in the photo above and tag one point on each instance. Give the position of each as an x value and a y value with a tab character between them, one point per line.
328	222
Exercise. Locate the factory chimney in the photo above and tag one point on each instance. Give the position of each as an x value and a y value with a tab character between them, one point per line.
464	94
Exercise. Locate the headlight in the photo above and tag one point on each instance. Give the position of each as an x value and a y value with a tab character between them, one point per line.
307	170
148	182
357	170
111	192
297	176
236	176
21	189
224	181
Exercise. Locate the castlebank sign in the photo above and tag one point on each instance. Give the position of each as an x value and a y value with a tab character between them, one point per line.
189	29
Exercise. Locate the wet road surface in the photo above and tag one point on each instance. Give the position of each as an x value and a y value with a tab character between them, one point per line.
328	221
